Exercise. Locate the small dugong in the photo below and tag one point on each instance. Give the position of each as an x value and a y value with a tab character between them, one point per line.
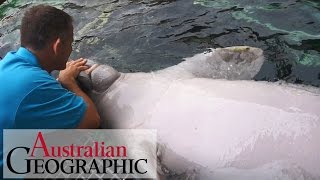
213	121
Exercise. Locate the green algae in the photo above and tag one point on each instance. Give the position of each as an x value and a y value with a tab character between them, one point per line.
222	4
10	6
6	6
307	58
248	15
273	6
258	14
314	3
293	35
97	23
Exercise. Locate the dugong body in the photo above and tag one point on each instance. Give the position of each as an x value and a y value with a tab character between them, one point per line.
208	128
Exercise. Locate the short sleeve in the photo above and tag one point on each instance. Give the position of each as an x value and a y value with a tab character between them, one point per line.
50	106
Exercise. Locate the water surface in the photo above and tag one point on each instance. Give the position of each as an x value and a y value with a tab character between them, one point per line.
147	35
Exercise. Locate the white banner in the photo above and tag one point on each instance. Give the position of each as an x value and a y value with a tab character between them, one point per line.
79	153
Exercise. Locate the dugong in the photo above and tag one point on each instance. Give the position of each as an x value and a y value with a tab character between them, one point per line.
212	120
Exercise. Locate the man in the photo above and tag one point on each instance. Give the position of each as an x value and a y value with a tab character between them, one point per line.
29	97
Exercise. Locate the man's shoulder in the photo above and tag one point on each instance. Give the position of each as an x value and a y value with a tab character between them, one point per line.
16	69
20	78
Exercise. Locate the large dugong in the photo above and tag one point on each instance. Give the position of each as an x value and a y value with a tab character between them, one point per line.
229	127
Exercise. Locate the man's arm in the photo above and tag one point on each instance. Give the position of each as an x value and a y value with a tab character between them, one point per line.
67	78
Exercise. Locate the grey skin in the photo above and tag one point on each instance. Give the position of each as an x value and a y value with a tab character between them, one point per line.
212	120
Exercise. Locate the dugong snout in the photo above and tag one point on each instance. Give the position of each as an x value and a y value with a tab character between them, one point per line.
98	77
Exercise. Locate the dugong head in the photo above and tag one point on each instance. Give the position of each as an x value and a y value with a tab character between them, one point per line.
97	78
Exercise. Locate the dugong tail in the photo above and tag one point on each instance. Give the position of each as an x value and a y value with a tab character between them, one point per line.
232	63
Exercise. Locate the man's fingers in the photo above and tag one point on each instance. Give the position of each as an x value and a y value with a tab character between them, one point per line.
83	68
76	59
80	59
81	62
69	62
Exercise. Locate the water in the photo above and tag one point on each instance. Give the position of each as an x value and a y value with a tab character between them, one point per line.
147	35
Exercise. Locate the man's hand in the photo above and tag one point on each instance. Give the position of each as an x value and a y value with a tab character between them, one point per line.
67	77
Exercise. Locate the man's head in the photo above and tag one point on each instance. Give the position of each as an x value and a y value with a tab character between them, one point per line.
48	30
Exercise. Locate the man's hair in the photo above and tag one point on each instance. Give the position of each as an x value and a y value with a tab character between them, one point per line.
41	24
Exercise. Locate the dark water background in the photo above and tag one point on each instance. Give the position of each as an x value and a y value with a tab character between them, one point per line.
147	35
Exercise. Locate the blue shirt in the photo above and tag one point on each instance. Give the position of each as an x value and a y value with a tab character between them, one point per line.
31	99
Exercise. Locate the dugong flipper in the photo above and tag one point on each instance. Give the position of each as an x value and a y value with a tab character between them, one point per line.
211	128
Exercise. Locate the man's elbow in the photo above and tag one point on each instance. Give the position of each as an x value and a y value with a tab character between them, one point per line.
90	121
94	121
97	121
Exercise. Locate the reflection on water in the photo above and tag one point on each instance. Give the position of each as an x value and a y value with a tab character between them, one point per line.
145	35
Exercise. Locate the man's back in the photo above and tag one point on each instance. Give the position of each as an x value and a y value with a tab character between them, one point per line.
32	99
29	97
16	79
27	87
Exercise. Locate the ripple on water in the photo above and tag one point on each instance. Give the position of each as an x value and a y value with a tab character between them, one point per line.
150	35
